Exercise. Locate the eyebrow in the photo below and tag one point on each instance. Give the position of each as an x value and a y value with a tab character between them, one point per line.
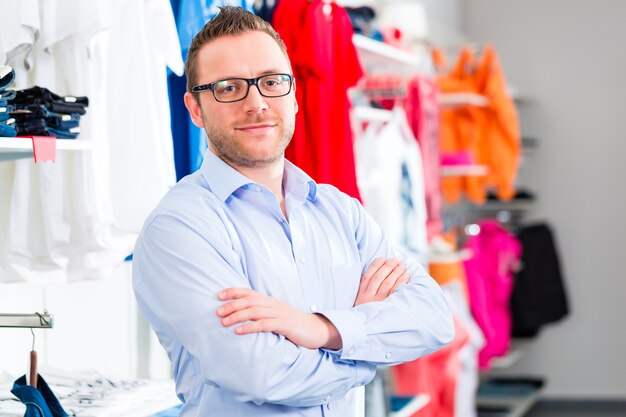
262	73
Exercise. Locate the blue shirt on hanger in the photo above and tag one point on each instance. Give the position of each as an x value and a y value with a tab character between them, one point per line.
216	229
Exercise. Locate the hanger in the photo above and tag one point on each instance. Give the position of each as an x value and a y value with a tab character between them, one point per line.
32	372
327	8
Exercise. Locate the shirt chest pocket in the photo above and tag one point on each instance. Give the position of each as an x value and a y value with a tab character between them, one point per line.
346	279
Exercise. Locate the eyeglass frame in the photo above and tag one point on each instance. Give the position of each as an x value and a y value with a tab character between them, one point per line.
250	81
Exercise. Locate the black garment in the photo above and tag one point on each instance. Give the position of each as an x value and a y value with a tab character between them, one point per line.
538	295
53	102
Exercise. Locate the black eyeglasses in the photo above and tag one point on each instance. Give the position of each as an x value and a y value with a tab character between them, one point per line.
236	89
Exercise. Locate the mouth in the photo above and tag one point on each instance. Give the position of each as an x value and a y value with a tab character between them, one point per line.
256	127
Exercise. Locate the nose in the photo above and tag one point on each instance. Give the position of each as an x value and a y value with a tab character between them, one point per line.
254	101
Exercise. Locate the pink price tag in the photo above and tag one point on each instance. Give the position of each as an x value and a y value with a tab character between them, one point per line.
44	148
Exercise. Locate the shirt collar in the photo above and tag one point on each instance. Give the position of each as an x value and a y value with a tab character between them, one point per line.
223	179
297	182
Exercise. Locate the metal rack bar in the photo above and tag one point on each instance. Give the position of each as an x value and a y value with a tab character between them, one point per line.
36	320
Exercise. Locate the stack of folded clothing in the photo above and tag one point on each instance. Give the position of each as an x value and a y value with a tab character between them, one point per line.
7	122
39	112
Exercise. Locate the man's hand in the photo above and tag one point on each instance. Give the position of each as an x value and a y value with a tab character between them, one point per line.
266	314
381	279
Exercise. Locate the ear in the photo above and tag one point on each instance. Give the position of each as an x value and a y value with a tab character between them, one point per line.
295	101
195	111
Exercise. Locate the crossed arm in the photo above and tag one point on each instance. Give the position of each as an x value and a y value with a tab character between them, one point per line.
175	269
262	313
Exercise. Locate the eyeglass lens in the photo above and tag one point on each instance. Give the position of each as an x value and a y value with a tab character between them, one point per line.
273	85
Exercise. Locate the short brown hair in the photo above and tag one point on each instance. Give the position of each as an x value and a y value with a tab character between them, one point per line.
229	21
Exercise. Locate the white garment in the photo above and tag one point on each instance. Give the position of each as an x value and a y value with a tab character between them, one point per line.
386	158
18	33
144	41
467	383
57	222
19	30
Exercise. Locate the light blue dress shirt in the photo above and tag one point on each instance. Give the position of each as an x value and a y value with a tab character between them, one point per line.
216	229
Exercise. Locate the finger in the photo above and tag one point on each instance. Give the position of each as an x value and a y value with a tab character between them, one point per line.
233	306
404	279
234	293
381	274
249	314
256	327
390	281
369	272
252	298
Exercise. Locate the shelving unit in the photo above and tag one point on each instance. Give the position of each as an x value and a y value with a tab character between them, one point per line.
17	148
508	398
491	206
380	57
463	170
462	99
371	114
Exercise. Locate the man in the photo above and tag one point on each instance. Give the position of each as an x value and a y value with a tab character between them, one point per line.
273	295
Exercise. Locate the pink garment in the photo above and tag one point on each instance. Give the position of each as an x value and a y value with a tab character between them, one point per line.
496	254
456	158
422	110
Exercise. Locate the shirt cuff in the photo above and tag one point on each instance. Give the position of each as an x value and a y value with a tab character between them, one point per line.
351	328
365	373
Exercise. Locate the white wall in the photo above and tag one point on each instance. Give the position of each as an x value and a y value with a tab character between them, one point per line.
569	58
95	326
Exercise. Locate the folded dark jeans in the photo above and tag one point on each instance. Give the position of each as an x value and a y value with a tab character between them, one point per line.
7	75
31	124
61	133
57	122
44	131
4	112
54	102
8	95
7	129
39	111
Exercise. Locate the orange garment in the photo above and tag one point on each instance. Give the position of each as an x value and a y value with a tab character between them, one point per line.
445	272
501	143
460	130
490	134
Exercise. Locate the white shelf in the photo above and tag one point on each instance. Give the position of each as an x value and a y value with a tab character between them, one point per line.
16	148
463	170
379	57
462	99
416	404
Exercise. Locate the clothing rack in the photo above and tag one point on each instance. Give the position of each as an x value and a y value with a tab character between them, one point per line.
43	320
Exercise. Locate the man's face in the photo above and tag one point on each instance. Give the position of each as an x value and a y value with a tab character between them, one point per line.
255	131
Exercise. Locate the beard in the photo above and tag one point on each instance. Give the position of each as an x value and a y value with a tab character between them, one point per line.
235	154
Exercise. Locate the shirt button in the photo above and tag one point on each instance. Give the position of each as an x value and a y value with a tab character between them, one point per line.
351	351
327	399
313	308
303	260
329	406
388	355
